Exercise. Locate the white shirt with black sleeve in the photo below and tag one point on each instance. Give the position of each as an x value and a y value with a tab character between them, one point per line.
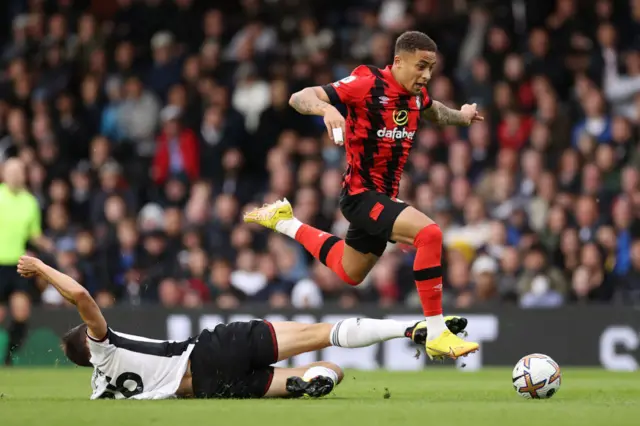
133	367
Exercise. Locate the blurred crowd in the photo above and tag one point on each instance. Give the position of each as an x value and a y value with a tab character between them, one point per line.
149	126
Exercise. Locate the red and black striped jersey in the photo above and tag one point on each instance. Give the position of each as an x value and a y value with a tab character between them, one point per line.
382	121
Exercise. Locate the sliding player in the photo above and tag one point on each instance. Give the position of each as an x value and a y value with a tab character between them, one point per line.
230	361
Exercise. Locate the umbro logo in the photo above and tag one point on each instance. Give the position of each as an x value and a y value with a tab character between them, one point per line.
383	100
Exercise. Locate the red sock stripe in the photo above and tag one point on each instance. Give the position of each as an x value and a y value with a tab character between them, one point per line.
428	273
327	247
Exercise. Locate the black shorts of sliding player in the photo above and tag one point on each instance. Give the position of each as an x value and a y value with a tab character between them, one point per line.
234	360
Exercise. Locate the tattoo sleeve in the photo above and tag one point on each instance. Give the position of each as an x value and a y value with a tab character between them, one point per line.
439	113
309	102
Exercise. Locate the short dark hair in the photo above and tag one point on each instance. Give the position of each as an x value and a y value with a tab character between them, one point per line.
410	41
74	345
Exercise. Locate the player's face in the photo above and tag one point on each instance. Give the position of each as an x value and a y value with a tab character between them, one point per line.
415	69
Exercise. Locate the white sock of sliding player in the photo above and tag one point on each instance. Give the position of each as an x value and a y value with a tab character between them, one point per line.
320	371
361	332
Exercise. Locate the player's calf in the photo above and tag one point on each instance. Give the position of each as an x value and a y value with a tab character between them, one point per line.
427	272
426	236
414	227
294	338
328	249
325	247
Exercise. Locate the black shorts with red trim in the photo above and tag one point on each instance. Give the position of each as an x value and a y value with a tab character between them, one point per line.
234	360
371	217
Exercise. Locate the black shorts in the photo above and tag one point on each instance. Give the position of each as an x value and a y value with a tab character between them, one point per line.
371	217
234	360
11	281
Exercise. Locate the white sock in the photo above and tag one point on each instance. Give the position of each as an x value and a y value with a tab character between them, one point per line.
435	326
289	227
320	371
361	332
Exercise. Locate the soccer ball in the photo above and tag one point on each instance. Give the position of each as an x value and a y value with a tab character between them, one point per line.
536	376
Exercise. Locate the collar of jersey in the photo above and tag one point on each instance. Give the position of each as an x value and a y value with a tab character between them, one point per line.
387	72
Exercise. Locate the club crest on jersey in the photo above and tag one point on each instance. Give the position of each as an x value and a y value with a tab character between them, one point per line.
395	133
401	117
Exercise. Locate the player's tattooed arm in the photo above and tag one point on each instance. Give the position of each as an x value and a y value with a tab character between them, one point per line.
310	101
445	116
315	101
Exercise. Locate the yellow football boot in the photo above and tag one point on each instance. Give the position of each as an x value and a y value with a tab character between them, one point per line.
448	345
418	333
270	214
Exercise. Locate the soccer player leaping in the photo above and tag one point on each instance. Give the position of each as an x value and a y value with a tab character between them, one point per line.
384	111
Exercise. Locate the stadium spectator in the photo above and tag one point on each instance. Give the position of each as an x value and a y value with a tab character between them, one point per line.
146	131
177	149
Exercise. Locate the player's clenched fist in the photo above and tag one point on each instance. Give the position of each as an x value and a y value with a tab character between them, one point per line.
470	112
28	266
335	125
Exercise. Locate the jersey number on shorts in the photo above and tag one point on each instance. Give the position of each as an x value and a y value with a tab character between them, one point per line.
126	390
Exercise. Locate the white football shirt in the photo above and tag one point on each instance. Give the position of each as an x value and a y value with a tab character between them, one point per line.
134	367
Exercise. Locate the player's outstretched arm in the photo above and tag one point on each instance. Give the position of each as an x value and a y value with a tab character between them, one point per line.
445	116
311	101
315	101
71	290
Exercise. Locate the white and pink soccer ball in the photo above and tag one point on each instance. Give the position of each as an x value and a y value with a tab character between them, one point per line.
536	376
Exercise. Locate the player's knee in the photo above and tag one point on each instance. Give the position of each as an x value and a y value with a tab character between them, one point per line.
430	235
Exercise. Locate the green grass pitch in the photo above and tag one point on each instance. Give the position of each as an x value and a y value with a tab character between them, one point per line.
435	396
